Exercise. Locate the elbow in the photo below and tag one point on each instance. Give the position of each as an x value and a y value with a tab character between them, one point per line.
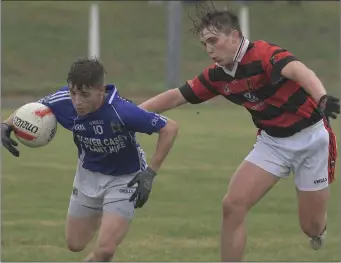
171	128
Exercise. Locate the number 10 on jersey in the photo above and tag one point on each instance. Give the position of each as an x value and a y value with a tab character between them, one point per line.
98	129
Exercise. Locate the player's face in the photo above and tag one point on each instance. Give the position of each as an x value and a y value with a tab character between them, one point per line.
219	46
87	99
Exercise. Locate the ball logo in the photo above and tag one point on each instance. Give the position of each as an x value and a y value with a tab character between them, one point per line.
34	125
19	123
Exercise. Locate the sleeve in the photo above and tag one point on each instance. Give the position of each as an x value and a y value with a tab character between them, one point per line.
136	119
54	99
275	60
61	106
45	100
199	89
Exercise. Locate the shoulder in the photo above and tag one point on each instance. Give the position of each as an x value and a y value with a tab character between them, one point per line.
262	47
262	44
114	98
122	107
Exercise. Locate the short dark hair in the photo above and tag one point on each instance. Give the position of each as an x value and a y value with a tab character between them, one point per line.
222	20
86	72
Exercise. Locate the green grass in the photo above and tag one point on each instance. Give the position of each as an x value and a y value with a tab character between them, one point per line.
41	39
181	221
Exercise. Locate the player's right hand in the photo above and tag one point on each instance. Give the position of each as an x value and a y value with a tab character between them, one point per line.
144	179
7	141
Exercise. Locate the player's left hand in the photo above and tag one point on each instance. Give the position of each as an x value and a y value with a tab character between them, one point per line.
7	141
330	106
144	182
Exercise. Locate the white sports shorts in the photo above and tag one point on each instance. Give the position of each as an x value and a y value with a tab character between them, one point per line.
307	154
94	193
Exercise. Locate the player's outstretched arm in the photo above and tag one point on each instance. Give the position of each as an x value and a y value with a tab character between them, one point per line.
6	140
165	101
194	91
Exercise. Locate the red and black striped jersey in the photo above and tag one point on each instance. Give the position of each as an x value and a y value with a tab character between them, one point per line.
278	105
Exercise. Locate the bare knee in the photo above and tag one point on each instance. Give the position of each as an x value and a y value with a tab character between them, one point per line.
74	246
313	227
312	211
111	233
234	207
244	190
76	241
79	231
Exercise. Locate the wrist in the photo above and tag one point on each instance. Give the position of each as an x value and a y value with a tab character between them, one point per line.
322	102
6	125
151	171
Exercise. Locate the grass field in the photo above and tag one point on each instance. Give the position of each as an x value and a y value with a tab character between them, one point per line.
181	221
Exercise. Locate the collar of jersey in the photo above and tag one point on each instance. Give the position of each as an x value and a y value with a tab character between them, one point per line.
109	87
238	56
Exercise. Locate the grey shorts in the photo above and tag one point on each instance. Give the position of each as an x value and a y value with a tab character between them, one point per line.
94	193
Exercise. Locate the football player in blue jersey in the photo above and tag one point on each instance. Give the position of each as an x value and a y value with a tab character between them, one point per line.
112	177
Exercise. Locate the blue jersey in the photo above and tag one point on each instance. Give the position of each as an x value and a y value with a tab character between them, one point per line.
106	138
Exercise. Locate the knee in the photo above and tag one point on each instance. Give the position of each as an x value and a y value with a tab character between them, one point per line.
74	246
313	227
234	207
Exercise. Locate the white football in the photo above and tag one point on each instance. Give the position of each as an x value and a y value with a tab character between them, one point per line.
34	125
